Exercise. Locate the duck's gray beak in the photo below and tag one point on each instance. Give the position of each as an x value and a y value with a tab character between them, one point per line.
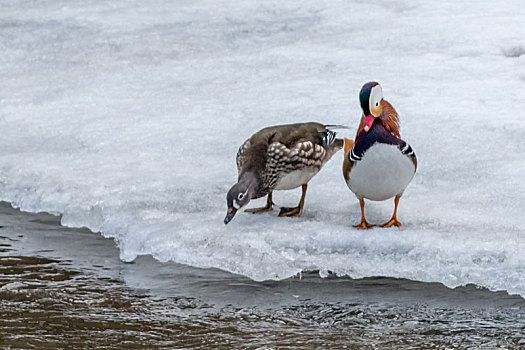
230	214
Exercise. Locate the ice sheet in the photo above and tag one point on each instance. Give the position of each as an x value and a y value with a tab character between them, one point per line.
125	117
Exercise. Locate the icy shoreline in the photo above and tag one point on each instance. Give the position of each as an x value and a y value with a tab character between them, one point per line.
63	287
323	273
126	119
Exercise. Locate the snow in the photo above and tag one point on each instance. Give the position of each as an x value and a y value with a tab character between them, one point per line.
126	117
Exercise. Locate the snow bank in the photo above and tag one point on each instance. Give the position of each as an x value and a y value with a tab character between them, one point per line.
126	118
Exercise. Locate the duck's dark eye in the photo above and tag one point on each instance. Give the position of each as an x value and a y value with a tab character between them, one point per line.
240	196
377	104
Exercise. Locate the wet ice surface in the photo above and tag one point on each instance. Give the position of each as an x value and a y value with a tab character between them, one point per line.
126	117
66	287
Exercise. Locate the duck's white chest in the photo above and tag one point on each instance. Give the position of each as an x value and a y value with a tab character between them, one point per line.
295	178
382	173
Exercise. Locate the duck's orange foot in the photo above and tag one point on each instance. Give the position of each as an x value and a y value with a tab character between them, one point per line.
392	222
364	225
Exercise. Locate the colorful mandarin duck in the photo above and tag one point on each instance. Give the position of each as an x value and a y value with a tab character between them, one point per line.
281	157
379	165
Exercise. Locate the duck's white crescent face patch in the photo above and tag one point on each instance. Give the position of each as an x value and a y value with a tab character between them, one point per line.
376	95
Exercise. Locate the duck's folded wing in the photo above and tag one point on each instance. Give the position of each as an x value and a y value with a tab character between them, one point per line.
241	154
300	155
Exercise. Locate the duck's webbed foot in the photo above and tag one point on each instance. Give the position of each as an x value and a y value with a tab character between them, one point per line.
364	225
267	207
296	211
392	222
291	212
259	210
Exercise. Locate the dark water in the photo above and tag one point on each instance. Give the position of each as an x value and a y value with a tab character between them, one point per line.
66	288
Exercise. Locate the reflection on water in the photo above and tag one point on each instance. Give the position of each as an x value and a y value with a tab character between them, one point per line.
67	288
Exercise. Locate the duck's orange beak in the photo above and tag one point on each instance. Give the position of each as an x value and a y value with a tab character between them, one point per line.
369	120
